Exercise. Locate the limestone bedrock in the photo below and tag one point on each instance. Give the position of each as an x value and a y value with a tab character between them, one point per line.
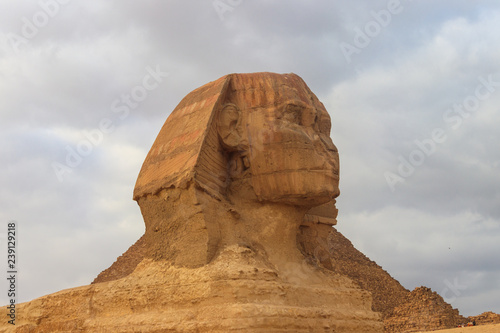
238	167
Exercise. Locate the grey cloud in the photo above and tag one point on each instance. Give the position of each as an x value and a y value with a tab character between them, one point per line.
395	91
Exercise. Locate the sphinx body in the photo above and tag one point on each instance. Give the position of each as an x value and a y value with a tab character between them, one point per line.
241	172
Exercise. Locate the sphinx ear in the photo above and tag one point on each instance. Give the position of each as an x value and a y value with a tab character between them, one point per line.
228	127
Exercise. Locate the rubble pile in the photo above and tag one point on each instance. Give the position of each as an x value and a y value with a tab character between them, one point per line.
485	318
422	310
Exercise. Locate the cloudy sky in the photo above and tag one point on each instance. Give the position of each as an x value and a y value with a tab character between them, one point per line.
413	89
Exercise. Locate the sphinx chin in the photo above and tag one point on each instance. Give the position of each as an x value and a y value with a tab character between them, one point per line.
298	187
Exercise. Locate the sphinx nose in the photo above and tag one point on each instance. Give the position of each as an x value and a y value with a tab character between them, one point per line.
321	141
327	146
327	141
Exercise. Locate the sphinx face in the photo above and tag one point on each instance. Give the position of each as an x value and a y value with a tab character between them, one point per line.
291	156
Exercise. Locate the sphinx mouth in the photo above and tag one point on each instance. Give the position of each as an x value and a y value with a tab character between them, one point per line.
325	170
334	171
331	173
327	167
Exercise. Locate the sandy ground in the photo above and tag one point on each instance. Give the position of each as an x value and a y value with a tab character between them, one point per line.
474	329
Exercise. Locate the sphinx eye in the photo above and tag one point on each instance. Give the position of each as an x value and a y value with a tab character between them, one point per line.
292	113
324	125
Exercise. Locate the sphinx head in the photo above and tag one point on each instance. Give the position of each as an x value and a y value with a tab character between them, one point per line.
265	136
233	153
277	137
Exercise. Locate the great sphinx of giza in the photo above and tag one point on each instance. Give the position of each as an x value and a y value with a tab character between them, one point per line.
245	149
240	169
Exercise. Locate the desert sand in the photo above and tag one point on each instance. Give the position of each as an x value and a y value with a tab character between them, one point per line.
474	329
